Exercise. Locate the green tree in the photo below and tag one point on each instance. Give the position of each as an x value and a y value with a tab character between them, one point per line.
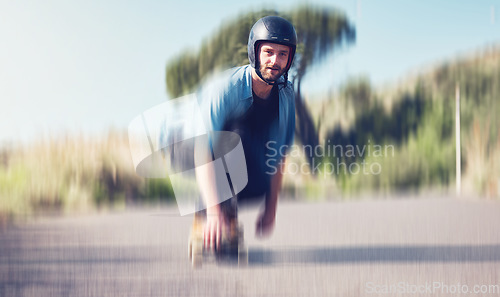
319	30
358	91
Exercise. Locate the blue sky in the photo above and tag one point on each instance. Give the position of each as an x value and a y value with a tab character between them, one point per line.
86	66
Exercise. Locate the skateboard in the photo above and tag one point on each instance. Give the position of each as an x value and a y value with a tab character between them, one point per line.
232	249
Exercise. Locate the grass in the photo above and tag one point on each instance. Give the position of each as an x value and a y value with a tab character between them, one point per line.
74	173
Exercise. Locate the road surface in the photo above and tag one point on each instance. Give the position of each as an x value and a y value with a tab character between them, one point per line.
405	247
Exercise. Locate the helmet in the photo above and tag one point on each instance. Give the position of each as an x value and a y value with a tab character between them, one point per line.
273	29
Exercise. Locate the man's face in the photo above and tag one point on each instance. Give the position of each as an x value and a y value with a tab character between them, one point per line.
273	60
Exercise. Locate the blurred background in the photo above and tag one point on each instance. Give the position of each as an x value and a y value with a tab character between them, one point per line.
380	77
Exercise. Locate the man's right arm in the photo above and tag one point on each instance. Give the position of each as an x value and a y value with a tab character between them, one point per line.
213	108
205	176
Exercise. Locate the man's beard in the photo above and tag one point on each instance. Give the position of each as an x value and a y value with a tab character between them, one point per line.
271	76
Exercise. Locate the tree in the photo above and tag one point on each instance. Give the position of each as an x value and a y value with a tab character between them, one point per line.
319	30
358	92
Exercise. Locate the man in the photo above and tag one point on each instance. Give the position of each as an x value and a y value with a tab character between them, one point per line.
257	102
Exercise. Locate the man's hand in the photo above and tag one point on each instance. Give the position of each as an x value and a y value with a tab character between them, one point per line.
216	222
265	224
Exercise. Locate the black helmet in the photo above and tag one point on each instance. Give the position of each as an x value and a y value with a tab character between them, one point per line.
273	29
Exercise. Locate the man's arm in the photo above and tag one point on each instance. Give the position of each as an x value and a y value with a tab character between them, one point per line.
205	176
265	223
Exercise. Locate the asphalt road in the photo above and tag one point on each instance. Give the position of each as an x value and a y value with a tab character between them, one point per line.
406	247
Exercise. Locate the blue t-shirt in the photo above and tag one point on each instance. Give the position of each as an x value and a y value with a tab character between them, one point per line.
227	97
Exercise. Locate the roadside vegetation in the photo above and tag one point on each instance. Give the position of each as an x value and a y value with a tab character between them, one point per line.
74	173
417	118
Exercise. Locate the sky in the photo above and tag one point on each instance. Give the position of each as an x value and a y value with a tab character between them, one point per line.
88	66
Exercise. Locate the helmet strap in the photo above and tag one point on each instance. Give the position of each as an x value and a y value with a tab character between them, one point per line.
271	83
